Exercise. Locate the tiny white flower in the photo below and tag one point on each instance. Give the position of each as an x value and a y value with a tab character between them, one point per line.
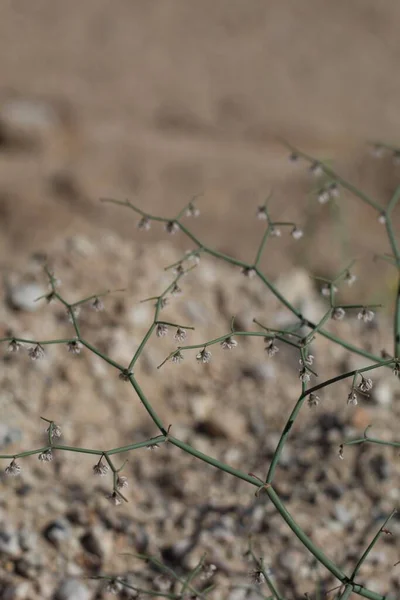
297	234
249	272
316	169
323	196
101	469
382	219
275	231
75	311
352	398
262	213
13	469
36	353
180	334
350	278
333	190
13	346
55	431
304	375
176	290
338	313
97	305
204	356
271	348
144	224
161	330
46	456
114	499
163	303
114	586
308	360
177	357
365	385
257	577
326	289
171	227
192	210
366	315
229	343
208	572
122	482
74	347
313	400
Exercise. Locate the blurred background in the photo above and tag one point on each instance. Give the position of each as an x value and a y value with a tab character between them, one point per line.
156	102
159	101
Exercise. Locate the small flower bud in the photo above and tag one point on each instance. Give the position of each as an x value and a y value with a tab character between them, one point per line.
13	469
229	343
144	224
171	227
74	347
36	353
97	305
180	334
297	233
100	468
313	400
13	346
204	356
46	456
366	315
161	330
177	357
338	313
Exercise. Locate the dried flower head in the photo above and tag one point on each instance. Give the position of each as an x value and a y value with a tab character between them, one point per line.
229	343
297	233
97	304
13	469
125	375
161	330
180	335
338	313
122	482
271	348
177	357
171	227
101	469
14	346
74	347
46	456
249	272
304	375
365	385
56	432
313	400
36	353
192	210
352	398
367	315
257	577
323	196
204	356
114	498
144	224
262	213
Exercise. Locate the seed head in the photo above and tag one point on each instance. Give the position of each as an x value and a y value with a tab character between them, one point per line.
229	343
171	227
271	349
14	346
74	347
180	334
100	468
177	357
161	330
97	305
13	469
36	353
204	356
338	313
313	400
144	224
352	398
46	456
366	315
297	234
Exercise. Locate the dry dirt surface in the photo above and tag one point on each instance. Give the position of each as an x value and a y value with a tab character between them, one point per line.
157	102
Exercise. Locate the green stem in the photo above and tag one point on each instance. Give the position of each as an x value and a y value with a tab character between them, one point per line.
370	546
